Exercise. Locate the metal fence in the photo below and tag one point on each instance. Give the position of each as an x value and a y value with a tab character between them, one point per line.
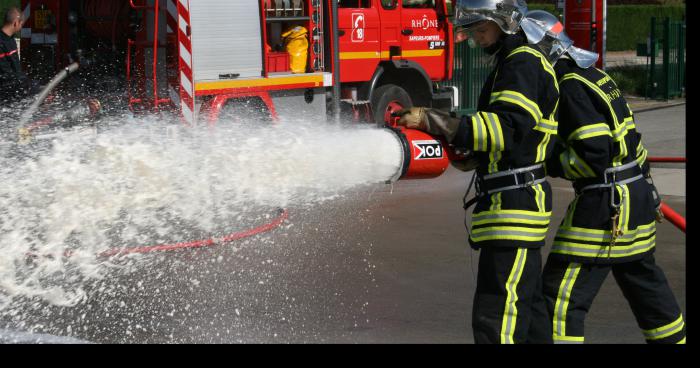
666	73
469	75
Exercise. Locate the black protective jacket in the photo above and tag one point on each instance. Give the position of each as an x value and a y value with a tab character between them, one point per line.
597	128
512	129
14	84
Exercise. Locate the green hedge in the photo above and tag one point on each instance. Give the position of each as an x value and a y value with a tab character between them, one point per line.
4	4
629	24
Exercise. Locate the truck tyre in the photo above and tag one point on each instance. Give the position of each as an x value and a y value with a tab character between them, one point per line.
387	99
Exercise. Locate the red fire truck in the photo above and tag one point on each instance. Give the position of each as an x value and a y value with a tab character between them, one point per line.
209	58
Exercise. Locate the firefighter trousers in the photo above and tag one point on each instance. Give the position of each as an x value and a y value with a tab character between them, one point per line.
570	288
509	306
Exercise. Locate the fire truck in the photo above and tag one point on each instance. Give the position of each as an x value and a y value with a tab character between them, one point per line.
210	59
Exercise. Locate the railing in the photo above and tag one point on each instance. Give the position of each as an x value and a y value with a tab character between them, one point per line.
666	74
469	75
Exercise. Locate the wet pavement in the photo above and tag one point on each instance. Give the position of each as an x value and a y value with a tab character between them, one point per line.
385	264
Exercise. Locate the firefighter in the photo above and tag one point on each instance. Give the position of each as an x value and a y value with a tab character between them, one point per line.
14	84
610	225
510	136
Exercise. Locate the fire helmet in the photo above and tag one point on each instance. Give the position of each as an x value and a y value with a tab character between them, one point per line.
546	32
506	13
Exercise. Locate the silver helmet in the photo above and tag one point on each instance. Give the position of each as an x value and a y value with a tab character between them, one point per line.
546	32
506	13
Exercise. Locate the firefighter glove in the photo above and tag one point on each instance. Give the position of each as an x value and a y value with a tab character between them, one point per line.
413	118
433	121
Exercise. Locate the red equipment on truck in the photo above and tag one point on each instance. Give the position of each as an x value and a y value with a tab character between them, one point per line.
208	58
585	23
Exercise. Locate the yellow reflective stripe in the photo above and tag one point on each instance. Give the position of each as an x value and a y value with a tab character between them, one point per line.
594	251
510	216
553	115
545	63
495	204
625	209
571	160
619	135
527	231
509	233
480	135
569	171
664	331
595	235
563	297
539	197
642	158
569	218
494	158
514	213
547	126
617	160
494	131
589	131
568	339
596	89
510	314
682	342
640	147
519	99
621	132
641	154
542	147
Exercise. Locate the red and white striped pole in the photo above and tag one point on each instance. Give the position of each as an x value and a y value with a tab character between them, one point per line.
187	97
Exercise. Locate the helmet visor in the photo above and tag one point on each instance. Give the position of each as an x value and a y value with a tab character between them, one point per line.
468	12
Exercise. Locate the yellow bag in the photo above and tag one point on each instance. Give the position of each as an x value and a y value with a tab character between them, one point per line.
297	46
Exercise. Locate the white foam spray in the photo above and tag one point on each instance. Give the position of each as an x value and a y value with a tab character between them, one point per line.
137	182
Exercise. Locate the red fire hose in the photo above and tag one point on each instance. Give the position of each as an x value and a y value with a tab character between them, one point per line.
673	217
201	243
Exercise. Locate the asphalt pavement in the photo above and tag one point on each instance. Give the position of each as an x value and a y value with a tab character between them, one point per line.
384	264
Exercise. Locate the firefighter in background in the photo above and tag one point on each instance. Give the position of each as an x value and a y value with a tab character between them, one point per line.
510	135
610	225
14	84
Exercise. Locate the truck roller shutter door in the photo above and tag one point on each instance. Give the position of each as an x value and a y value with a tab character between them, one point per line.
226	39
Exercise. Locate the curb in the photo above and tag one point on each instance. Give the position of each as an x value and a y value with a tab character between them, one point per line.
657	107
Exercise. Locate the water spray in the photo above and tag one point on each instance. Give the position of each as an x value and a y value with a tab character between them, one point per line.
63	74
89	108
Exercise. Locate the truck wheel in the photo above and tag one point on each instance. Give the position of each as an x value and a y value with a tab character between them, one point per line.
387	99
